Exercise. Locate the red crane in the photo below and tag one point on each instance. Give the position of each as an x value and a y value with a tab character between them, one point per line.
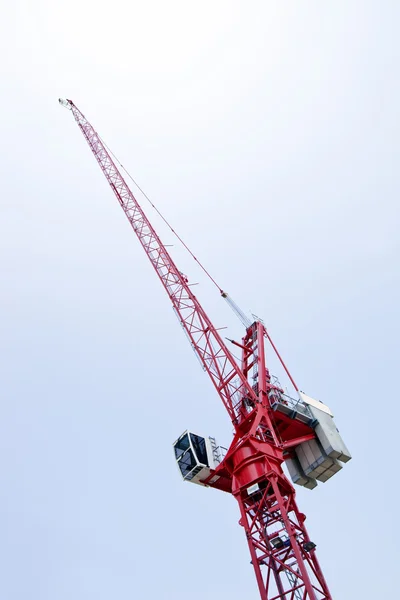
270	427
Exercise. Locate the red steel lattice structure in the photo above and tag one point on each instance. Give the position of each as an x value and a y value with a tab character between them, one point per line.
252	468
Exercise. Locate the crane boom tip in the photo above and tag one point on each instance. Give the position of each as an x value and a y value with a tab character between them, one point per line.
65	103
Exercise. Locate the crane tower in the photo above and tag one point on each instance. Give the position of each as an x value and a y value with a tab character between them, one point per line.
270	426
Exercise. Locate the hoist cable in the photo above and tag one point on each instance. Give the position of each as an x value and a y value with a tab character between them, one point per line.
164	219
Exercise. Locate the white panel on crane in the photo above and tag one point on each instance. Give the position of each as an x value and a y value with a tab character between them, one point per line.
313	459
336	466
297	474
329	437
312	402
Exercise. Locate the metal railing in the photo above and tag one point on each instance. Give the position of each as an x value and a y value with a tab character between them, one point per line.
296	405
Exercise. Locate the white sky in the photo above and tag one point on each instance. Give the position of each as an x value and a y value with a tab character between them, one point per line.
267	132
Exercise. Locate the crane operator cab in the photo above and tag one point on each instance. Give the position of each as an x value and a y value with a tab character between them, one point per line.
196	456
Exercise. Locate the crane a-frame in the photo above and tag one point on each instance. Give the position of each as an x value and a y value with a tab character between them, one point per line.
270	427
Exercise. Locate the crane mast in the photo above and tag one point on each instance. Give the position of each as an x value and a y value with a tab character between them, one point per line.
282	554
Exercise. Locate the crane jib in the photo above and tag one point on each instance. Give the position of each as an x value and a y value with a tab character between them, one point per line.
215	357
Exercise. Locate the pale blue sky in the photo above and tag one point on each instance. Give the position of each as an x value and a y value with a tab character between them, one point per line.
268	133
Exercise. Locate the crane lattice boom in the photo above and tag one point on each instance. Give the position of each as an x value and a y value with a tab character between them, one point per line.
204	338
